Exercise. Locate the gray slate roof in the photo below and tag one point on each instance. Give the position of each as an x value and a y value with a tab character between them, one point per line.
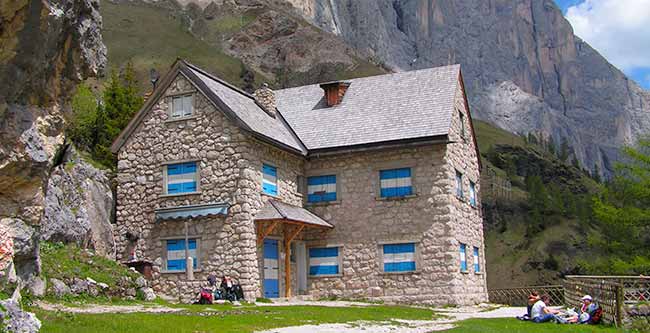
374	109
250	113
277	210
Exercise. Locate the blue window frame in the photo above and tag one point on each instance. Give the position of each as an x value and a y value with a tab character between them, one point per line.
472	194
269	179
395	182
459	184
176	254
399	257
477	263
321	188
324	261
463	257
181	178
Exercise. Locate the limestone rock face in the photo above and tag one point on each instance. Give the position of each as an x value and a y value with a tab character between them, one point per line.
46	47
78	206
524	69
14	319
25	247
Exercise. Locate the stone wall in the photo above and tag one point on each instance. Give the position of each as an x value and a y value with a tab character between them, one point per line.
221	149
433	218
466	221
230	167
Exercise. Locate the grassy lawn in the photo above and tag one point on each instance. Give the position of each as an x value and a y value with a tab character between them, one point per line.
223	319
516	326
226	318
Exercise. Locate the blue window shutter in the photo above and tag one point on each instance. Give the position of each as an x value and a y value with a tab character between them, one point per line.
463	257
477	262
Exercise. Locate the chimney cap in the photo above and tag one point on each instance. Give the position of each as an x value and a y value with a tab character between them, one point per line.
330	84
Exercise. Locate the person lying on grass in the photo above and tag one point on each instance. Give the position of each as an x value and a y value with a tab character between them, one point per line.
590	312
541	313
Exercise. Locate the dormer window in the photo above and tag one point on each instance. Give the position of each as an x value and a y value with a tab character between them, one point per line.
182	106
334	92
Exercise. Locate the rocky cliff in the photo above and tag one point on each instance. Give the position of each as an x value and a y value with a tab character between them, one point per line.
46	48
524	68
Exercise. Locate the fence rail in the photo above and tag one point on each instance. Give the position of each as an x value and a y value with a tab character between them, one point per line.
519	296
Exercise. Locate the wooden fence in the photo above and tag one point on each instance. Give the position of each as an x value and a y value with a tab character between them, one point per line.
519	296
613	293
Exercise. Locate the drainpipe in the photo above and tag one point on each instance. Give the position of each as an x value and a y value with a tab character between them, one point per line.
189	264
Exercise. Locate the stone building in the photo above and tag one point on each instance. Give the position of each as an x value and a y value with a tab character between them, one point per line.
366	188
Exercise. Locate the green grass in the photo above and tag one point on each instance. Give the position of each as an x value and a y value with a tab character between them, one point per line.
64	262
515	326
488	135
153	37
224	319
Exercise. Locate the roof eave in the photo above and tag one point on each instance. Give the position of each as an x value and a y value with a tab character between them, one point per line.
382	145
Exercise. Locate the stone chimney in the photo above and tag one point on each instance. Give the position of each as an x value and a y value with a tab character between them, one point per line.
334	91
265	97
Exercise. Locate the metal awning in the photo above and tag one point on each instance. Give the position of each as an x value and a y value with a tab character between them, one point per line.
192	211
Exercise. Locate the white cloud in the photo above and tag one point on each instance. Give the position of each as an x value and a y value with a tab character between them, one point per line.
618	29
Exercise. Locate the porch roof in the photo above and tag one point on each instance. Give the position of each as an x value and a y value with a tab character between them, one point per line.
275	210
192	211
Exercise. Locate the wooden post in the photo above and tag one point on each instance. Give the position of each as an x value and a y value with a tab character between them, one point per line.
288	238
266	232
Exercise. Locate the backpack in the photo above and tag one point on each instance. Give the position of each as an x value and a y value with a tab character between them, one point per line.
205	296
595	313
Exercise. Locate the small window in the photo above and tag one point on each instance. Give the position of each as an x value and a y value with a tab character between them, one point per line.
459	184
175	254
399	257
463	257
269	179
395	183
181	178
321	188
182	106
461	116
472	194
477	265
324	261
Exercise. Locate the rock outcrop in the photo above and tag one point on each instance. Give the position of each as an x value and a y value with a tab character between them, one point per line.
46	48
79	206
524	68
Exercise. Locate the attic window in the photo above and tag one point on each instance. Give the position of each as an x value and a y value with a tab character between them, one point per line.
334	91
182	106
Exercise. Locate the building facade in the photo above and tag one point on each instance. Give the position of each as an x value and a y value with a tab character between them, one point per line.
367	188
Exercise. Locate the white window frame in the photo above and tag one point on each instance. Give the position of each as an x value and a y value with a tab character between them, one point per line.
183	115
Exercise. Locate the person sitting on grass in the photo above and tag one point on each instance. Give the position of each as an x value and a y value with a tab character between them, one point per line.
532	299
590	312
541	313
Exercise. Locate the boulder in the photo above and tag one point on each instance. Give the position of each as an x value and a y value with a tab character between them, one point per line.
59	288
14	319
37	286
79	205
130	292
147	294
79	286
141	282
25	247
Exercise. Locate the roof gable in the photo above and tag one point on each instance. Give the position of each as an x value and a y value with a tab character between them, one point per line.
237	105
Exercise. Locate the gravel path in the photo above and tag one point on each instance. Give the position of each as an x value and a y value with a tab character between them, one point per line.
406	326
98	308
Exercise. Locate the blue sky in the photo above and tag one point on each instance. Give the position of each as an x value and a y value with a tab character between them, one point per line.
618	29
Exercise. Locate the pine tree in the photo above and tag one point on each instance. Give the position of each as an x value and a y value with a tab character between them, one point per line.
596	174
81	126
550	146
565	150
623	208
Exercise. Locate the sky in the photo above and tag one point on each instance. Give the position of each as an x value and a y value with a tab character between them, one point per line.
618	29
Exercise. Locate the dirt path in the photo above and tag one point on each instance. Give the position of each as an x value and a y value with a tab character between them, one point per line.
406	326
99	308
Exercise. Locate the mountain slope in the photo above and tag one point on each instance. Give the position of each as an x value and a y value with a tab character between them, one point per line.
524	68
243	42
